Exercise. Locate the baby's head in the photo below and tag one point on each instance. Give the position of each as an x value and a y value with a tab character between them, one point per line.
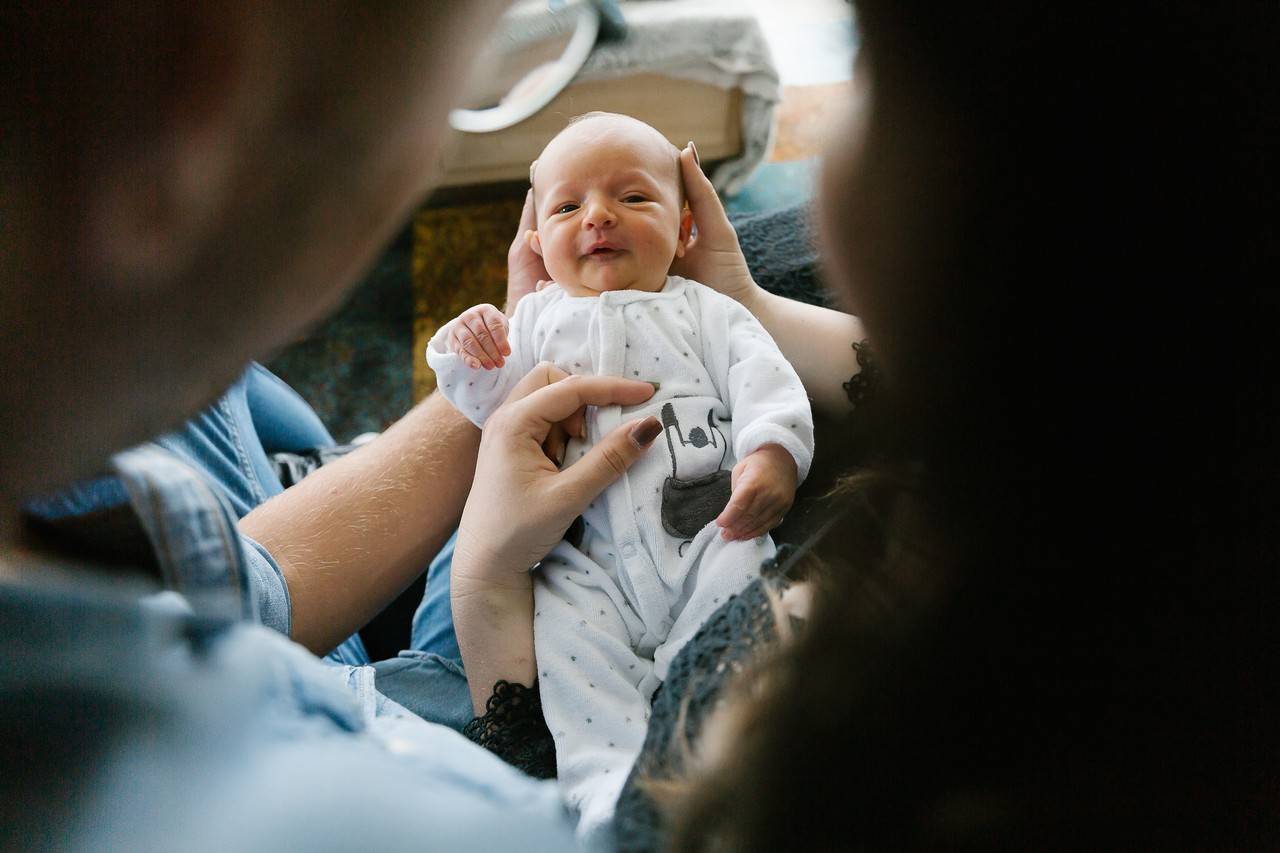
610	205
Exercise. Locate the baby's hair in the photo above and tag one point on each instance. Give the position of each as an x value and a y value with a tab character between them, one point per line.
578	119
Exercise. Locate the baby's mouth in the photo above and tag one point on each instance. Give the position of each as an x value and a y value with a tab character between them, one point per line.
603	253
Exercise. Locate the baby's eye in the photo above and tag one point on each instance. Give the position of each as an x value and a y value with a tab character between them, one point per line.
567	207
634	198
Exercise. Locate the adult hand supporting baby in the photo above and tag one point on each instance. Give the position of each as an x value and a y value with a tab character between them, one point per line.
816	340
524	267
713	256
520	506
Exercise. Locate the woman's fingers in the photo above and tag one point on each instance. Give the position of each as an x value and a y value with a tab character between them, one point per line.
607	461
576	424
524	267
704	203
558	434
549	394
713	256
528	216
543	374
559	401
555	444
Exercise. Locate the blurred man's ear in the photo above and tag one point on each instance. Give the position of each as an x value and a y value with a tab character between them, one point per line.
160	189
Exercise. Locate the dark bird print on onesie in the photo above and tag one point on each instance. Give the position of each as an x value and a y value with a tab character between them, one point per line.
688	504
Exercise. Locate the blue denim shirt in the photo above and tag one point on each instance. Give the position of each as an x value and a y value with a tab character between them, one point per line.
179	720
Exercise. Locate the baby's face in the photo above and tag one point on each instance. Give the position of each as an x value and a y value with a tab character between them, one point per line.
609	207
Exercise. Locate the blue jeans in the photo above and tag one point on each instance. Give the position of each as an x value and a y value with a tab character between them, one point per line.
230	442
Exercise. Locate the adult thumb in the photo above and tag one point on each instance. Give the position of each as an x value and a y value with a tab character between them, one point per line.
610	458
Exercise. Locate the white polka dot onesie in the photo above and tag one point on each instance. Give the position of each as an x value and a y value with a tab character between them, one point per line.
613	608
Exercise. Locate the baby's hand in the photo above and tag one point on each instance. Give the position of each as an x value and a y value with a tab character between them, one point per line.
764	487
479	335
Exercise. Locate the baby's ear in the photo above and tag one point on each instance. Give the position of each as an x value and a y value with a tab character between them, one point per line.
686	228
534	242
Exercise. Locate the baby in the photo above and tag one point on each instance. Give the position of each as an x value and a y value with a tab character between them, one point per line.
635	580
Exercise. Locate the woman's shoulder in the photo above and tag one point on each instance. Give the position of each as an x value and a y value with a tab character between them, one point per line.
722	648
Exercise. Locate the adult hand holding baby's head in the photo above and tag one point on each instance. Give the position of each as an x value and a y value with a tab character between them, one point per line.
712	256
521	503
525	269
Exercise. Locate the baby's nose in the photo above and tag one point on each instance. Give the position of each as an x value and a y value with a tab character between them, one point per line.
599	215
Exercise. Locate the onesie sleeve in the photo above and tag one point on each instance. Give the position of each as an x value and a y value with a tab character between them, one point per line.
764	394
477	392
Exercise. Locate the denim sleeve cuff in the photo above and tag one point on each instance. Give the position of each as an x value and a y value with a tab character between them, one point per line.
268	586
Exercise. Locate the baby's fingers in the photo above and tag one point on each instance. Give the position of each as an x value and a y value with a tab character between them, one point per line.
761	524
755	507
495	323
739	514
755	524
470	349
489	354
462	345
498	333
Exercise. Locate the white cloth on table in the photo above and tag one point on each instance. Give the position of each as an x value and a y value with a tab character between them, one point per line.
612	611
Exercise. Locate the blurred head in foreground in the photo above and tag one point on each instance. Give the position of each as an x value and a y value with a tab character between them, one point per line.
1040	626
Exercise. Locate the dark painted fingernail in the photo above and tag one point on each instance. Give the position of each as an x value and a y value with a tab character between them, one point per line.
643	433
696	158
657	386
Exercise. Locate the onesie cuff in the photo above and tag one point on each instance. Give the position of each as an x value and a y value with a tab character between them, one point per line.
797	441
450	371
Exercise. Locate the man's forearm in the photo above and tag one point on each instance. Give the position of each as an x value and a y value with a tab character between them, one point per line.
355	533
